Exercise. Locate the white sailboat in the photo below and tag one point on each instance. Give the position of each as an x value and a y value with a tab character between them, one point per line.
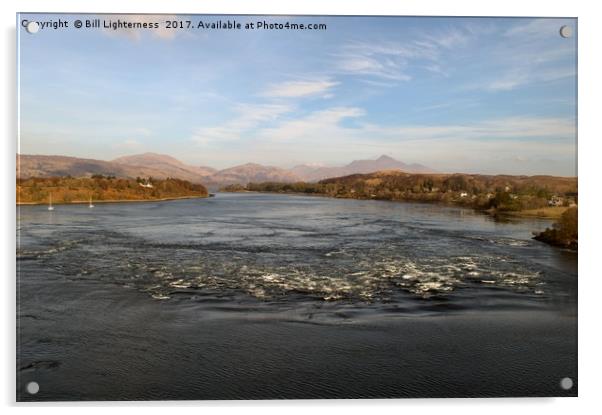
50	207
90	205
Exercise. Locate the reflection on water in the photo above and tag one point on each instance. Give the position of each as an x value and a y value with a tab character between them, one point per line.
292	249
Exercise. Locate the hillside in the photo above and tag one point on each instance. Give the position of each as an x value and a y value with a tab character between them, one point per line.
170	166
500	193
147	165
74	190
251	172
162	166
61	166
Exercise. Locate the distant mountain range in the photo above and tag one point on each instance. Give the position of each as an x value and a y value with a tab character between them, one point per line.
314	173
252	172
162	166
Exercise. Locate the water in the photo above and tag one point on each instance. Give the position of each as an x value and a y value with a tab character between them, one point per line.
242	259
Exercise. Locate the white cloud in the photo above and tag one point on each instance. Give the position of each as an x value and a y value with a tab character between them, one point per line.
128	145
386	61
142	131
248	117
528	72
501	128
321	128
443	104
450	39
507	83
319	125
295	89
326	124
530	52
391	60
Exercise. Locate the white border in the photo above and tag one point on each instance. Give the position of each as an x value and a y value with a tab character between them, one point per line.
590	177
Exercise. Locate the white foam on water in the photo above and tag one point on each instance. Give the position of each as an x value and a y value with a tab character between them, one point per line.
371	275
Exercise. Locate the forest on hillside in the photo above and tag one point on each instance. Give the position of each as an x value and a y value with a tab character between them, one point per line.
501	193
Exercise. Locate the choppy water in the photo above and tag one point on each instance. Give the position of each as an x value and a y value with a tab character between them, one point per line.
277	248
275	296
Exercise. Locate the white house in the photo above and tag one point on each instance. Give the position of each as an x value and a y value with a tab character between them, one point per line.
556	201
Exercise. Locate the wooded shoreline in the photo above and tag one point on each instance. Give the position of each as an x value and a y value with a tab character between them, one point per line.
543	213
103	189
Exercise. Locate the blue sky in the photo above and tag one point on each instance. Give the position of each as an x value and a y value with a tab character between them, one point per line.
487	95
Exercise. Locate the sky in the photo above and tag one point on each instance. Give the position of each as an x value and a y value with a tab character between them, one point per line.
474	95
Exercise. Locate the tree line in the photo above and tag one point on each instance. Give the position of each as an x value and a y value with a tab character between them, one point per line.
102	188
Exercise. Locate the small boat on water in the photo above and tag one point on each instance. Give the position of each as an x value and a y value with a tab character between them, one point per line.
50	207
211	194
90	205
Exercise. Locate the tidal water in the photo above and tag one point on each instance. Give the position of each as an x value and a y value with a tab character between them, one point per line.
261	296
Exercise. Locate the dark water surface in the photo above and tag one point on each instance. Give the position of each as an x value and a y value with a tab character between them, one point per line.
260	296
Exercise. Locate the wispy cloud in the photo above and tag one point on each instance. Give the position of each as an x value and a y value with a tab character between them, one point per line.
296	89
448	104
524	75
381	61
318	125
530	52
247	118
128	145
392	60
507	128
324	124
142	131
450	38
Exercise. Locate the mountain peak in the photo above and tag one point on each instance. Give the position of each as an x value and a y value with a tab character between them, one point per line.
383	162
168	166
147	157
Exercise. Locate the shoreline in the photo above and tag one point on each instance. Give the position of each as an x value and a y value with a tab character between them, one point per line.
542	213
85	202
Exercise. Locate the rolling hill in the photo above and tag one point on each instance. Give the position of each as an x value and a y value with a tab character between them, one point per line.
62	166
168	165
252	172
